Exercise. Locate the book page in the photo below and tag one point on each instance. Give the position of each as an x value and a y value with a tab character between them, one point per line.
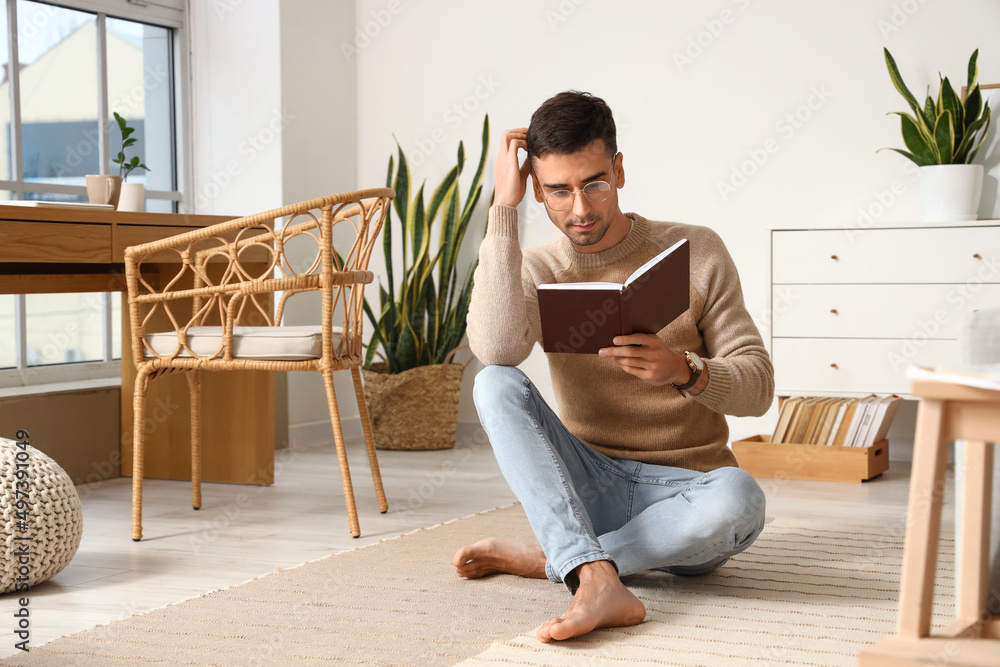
609	286
651	263
986	376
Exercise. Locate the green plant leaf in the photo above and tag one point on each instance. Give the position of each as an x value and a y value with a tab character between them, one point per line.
402	188
953	105
909	156
121	123
440	192
897	81
973	106
470	202
973	73
387	234
982	124
944	137
920	145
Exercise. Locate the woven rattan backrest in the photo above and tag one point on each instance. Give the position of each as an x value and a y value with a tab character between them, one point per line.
230	274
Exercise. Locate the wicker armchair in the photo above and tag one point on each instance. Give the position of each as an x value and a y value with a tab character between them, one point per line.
220	309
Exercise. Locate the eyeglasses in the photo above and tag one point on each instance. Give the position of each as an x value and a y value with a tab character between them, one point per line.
595	191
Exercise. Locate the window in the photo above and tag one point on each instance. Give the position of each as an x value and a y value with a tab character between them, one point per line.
77	65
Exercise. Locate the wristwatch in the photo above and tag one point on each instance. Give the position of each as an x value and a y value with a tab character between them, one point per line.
697	366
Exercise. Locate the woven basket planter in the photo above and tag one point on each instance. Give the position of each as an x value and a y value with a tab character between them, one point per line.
416	409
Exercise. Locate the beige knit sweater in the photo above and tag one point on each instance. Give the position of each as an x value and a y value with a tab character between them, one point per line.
616	413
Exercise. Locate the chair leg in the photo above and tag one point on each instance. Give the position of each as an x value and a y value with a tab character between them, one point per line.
366	426
338	436
194	388
138	409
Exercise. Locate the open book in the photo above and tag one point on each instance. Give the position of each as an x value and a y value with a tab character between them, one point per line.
584	317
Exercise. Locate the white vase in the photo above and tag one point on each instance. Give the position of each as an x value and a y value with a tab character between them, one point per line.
131	197
951	192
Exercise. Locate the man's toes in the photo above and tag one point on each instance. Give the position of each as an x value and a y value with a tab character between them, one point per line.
544	633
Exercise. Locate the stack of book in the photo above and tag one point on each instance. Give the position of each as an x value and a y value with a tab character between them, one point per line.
840	422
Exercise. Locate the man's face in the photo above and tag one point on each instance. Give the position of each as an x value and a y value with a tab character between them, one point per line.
585	223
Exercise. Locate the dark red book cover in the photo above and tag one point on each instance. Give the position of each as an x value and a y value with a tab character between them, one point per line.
584	317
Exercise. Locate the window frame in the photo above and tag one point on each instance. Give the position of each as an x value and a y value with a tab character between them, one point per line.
170	14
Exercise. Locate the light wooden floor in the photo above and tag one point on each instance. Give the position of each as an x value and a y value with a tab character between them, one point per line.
244	532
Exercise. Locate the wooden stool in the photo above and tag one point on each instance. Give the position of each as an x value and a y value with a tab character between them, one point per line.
947	412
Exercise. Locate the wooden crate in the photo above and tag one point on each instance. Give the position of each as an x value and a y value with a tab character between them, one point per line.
762	458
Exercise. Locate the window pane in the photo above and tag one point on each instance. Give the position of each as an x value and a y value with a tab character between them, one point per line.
140	89
58	53
64	328
8	353
54	196
116	325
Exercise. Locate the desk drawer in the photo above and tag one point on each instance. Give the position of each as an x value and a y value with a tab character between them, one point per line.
905	255
877	311
54	242
129	235
817	365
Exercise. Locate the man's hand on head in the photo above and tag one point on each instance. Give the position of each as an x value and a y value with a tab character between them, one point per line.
512	176
649	359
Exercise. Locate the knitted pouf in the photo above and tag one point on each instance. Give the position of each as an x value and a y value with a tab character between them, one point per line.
51	517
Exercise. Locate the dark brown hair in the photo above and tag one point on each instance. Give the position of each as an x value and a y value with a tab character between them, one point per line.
569	122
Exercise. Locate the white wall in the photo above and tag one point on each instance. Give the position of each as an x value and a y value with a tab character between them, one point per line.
698	89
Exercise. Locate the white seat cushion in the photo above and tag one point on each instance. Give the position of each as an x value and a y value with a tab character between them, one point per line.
291	343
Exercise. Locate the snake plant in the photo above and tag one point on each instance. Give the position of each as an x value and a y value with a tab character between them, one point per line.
422	317
945	130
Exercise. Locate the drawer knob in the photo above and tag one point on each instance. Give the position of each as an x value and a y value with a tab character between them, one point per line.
834	366
976	255
834	257
834	311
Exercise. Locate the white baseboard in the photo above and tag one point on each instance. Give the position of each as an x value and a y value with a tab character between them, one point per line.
309	435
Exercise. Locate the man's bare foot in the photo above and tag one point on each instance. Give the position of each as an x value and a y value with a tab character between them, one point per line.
493	555
601	601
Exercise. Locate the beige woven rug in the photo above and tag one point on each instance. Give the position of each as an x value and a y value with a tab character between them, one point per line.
805	593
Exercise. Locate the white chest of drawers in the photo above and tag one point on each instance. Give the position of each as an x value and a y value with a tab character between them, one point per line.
852	308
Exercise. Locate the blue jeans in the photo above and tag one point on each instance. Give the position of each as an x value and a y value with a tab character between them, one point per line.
584	506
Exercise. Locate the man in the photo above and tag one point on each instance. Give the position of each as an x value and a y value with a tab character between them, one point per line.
635	472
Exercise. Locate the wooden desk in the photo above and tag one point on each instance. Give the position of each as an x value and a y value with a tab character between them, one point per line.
51	250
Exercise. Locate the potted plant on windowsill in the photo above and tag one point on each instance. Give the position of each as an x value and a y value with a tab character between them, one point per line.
942	137
412	393
132	194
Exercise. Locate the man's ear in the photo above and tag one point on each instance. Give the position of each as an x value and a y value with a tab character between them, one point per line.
620	171
536	186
